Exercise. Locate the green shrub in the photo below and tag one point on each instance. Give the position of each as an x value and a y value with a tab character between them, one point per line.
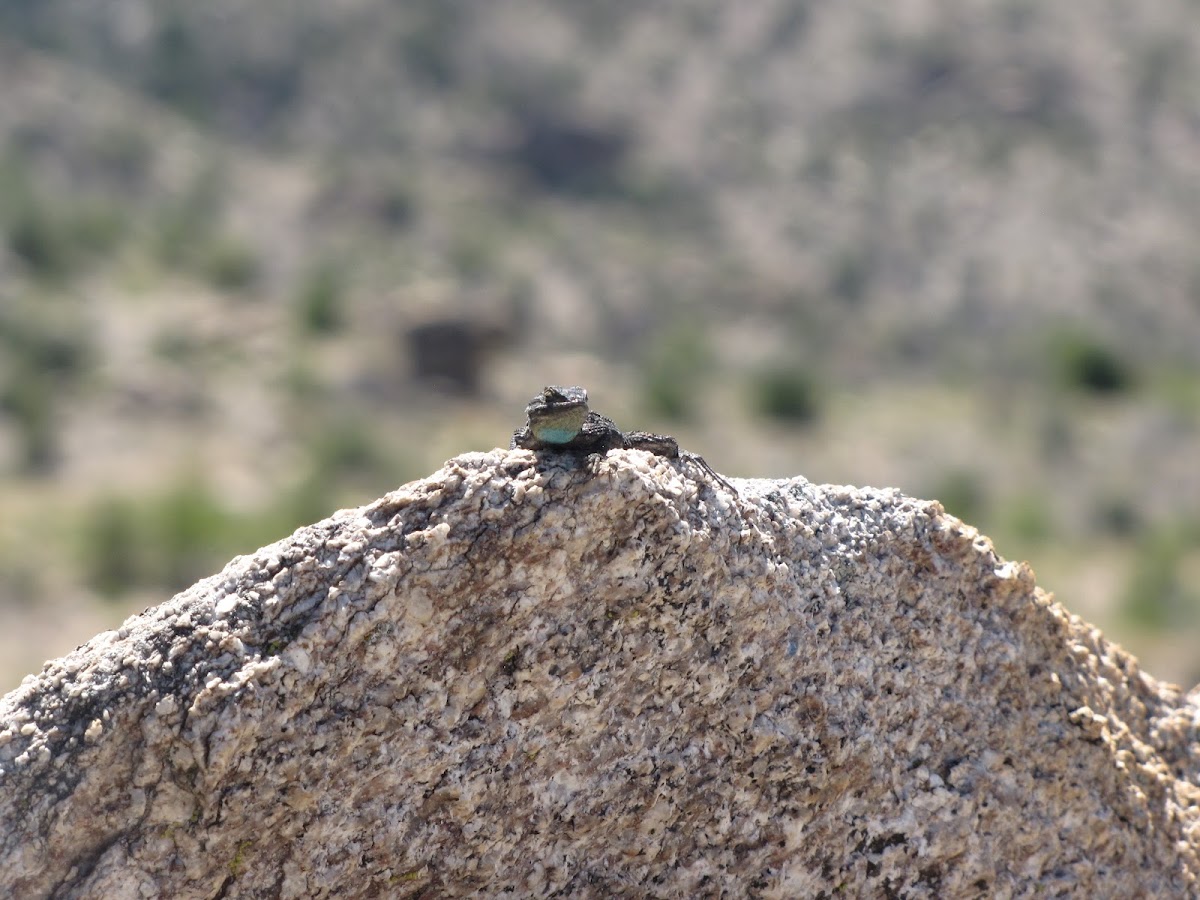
1028	518
676	363
962	494
58	350
40	242
321	299
1156	596
786	394
189	533
112	548
1084	363
475	251
1117	516
344	454
44	353
96	228
28	398
231	265
187	225
177	345
168	539
180	69
346	448
55	241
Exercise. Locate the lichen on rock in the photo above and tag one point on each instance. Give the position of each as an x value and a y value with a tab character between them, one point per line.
607	677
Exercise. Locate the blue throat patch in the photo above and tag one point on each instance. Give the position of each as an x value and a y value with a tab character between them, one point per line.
556	435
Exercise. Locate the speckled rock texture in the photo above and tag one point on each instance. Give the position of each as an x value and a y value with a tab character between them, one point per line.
610	677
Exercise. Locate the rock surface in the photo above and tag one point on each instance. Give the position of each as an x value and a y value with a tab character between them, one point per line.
604	678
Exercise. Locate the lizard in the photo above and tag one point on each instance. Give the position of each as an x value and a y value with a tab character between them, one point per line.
559	419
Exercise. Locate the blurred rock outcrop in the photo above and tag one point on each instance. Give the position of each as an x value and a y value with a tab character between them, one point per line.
598	679
455	351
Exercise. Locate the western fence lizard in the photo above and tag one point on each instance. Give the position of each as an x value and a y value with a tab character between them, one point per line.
559	419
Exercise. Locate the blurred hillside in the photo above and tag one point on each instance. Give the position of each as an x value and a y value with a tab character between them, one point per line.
261	261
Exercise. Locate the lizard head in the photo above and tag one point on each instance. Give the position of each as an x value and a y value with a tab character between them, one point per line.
557	414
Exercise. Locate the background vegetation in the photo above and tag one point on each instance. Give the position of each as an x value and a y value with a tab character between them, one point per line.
258	261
